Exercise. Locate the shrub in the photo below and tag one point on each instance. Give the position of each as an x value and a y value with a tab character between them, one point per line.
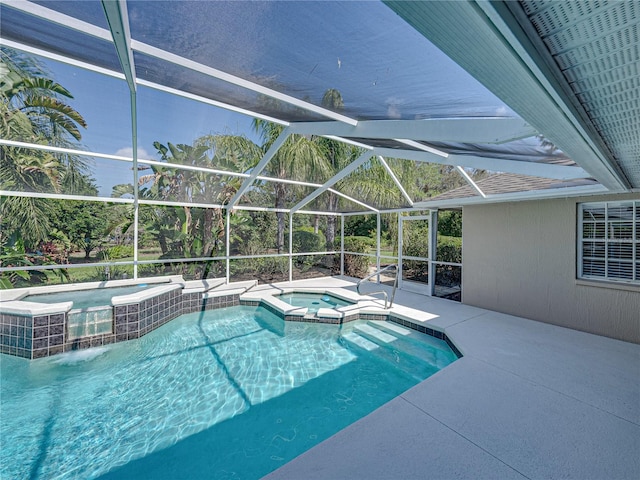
450	223
354	265
449	249
306	240
116	252
357	243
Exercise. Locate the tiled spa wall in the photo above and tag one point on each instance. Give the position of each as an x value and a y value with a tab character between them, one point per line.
44	335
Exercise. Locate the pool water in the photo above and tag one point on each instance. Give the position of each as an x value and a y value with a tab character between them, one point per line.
86	298
229	393
313	301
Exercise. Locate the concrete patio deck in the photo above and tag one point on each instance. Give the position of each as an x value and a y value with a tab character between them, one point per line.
527	400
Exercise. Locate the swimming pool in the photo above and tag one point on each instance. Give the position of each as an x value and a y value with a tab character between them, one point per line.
229	393
313	301
83	299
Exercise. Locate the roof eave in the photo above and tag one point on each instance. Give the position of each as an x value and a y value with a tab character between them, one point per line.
486	39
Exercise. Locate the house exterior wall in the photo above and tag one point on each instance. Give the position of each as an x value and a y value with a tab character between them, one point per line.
520	258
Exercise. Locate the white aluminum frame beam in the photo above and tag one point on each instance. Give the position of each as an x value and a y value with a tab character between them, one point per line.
118	19
347	197
546	170
220	75
257	170
339	176
421	146
208	101
469	130
60	58
72	151
142	161
64	196
139	81
395	180
60	18
470	181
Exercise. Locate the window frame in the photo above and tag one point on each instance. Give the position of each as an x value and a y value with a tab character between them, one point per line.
610	230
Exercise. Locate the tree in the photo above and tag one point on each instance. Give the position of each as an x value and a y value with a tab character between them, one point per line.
84	223
33	110
42	100
187	231
339	155
299	158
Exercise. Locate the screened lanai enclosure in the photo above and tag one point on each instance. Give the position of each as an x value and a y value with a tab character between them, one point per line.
282	140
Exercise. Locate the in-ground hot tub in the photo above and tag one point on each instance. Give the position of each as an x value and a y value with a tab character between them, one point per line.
313	301
83	299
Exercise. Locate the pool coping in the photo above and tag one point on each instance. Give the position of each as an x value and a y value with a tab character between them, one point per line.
7	295
365	308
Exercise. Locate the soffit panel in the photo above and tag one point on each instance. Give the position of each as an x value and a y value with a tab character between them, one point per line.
597	47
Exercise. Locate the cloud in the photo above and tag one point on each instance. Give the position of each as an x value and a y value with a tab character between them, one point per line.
128	152
502	111
393	107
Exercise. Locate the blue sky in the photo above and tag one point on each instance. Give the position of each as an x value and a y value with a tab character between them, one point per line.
104	103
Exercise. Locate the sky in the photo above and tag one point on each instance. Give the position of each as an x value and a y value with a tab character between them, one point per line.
104	103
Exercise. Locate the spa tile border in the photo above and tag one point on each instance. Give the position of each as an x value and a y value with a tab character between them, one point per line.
32	337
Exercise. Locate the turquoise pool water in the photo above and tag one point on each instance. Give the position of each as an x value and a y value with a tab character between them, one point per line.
223	394
313	301
86	298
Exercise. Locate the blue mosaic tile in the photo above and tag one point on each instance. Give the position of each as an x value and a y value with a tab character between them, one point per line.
40	321
41	332
55	350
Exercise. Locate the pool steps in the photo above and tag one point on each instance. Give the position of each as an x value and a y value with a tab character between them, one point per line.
374	339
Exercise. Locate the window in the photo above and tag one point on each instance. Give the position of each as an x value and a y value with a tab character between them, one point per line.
609	241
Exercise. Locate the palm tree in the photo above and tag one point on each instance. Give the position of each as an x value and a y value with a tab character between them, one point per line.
299	158
33	110
41	99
